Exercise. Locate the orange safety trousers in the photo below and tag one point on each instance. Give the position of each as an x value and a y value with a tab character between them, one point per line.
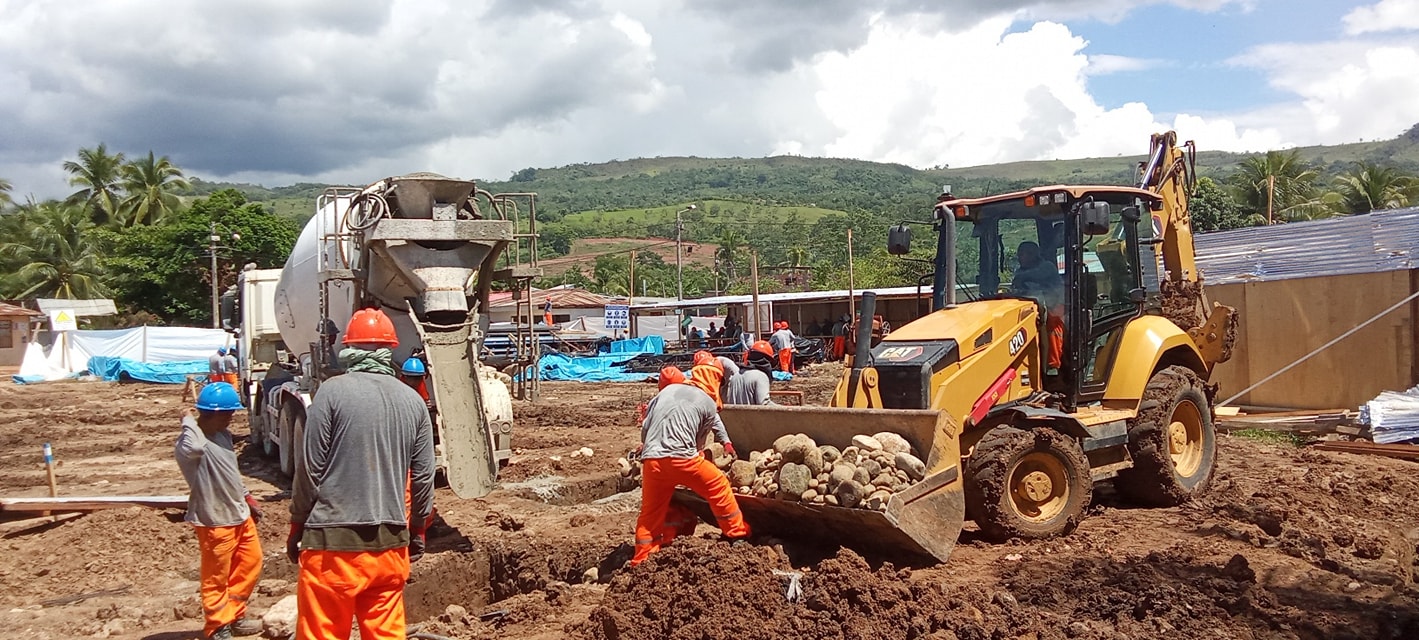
1055	325
785	360
232	379
231	567
337	586
660	476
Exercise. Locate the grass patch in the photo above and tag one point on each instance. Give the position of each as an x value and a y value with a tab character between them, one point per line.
1288	438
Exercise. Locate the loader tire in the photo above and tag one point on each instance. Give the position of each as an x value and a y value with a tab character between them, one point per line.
1027	484
1172	441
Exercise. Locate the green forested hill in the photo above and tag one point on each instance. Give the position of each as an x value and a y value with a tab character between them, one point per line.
795	211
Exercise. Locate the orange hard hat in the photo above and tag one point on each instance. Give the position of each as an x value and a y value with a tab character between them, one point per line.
371	326
705	357
670	375
762	346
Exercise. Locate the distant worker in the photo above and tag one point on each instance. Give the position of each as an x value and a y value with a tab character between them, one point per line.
547	312
217	366
751	386
414	374
222	512
367	437
676	420
783	340
233	368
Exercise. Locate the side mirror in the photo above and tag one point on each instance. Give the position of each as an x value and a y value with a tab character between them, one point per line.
1137	296
1094	218
899	240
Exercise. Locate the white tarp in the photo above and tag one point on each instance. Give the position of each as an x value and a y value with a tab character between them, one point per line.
36	367
140	344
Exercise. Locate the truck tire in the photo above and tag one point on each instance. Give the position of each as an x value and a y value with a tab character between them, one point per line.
292	435
1172	441
1027	484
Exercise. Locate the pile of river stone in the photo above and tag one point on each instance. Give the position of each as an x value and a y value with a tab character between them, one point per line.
864	475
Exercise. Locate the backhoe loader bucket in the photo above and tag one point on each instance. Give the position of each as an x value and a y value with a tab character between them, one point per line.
923	520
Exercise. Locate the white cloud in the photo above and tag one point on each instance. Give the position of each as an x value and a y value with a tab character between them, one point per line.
1104	64
1348	90
983	96
1385	15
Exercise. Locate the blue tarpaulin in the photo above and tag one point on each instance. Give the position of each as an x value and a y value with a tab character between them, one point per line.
648	344
557	366
112	369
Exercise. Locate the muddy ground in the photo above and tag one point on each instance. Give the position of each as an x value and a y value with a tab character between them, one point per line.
1291	543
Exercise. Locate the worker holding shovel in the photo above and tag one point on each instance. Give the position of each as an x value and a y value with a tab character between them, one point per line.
223	513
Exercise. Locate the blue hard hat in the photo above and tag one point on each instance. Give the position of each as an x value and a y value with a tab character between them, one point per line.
413	367
222	350
218	396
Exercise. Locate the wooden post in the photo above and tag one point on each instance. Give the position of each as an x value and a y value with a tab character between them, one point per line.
850	312
49	468
1270	196
754	273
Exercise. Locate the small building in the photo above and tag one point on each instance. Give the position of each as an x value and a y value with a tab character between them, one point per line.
17	328
1297	287
568	304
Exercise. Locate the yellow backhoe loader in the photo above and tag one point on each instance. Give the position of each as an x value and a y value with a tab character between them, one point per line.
1070	358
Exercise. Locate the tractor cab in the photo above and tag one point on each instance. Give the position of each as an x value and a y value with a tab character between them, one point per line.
1083	254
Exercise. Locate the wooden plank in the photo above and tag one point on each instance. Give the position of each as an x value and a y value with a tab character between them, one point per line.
16	526
1227	411
1401	451
91	503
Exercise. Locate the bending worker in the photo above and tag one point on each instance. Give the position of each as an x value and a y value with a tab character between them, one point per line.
783	339
676	419
222	512
751	386
366	435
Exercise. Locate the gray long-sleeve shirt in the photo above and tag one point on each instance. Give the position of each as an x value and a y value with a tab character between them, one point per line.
365	435
751	386
217	363
676	420
782	339
217	497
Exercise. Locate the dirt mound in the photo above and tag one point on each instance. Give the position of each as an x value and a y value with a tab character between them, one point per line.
142	548
543	415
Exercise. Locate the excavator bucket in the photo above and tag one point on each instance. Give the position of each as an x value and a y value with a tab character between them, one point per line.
467	449
922	520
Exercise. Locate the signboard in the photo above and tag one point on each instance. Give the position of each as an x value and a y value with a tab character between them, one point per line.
618	316
63	320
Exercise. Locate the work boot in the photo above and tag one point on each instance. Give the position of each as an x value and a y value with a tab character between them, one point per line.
223	632
246	626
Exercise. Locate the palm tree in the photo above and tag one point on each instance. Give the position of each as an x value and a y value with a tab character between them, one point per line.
1369	187
1278	185
730	243
151	185
5	199
99	173
50	255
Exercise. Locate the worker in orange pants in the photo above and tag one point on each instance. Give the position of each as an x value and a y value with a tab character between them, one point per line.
676	420
337	586
222	512
354	526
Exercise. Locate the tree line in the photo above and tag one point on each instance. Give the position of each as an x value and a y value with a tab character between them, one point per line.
133	231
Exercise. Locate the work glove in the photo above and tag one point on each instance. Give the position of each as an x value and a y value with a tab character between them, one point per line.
416	545
729	449
293	543
636	452
256	513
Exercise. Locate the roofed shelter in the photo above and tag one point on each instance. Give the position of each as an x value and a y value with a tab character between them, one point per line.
17	325
1299	285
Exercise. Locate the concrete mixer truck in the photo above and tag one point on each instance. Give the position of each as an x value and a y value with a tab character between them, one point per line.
425	249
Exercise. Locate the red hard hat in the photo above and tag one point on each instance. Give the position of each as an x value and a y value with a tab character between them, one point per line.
762	346
705	357
371	326
670	375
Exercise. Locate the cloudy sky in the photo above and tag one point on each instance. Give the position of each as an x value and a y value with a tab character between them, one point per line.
350	91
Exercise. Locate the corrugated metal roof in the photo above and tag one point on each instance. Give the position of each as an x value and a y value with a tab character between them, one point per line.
7	309
792	296
561	299
1370	243
81	308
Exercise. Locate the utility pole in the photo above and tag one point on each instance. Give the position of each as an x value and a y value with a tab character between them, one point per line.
754	274
679	264
212	240
631	290
850	282
1270	195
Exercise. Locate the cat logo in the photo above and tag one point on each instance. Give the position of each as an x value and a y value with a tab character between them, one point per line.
897	354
